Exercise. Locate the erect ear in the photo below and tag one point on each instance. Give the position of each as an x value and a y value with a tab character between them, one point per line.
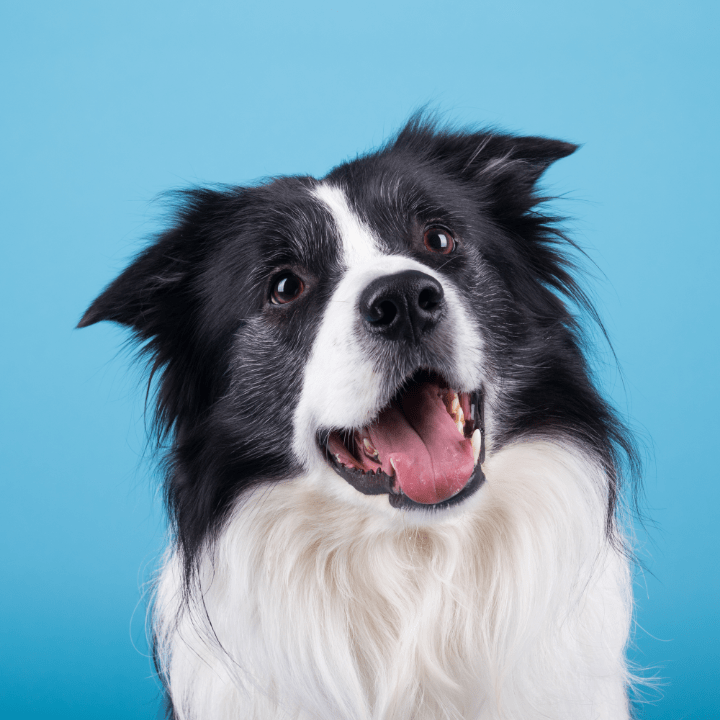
155	289
157	296
498	164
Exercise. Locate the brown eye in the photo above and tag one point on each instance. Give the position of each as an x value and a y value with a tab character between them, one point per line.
286	289
438	240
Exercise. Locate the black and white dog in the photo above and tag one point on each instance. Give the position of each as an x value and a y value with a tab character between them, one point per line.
392	482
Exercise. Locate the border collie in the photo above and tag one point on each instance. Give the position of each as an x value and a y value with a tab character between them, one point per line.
392	482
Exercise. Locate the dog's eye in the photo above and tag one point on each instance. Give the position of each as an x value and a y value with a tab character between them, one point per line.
286	289
439	240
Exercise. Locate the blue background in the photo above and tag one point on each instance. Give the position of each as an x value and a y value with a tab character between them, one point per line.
104	105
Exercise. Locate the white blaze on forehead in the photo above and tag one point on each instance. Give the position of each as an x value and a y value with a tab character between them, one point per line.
358	243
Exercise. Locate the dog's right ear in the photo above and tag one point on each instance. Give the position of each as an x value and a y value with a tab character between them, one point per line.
154	293
158	297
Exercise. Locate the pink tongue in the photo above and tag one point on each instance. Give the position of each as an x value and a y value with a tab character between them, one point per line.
431	461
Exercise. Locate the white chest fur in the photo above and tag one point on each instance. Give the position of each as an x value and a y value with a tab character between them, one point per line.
512	606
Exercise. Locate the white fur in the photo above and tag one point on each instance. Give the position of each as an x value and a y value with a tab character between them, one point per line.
318	602
513	606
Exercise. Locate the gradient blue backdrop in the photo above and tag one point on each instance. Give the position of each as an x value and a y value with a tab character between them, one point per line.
105	104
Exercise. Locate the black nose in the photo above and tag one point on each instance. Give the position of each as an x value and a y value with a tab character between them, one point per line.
402	306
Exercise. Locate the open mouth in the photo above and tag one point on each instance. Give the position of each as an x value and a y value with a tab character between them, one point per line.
424	449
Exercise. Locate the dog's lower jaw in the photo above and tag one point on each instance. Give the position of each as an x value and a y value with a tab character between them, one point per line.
513	605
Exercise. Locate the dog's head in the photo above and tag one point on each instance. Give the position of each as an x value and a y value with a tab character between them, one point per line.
382	327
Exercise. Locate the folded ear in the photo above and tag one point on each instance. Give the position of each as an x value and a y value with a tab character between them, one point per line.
156	288
502	168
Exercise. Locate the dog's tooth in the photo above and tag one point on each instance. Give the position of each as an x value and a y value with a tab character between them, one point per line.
369	449
455	403
476	441
392	462
460	420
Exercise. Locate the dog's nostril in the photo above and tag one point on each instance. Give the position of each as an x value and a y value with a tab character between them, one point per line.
382	313
428	299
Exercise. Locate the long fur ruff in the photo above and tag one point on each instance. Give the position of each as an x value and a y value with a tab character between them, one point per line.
302	609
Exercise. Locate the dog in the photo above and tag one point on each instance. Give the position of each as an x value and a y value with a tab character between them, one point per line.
392	482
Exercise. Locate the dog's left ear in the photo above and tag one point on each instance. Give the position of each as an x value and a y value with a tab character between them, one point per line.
506	169
517	159
501	169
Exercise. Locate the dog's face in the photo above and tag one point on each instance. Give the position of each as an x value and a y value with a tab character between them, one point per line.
381	327
390	390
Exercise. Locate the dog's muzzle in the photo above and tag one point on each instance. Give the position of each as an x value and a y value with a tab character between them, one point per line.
425	448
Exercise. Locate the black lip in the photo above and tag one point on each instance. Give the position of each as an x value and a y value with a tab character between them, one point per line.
379	483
